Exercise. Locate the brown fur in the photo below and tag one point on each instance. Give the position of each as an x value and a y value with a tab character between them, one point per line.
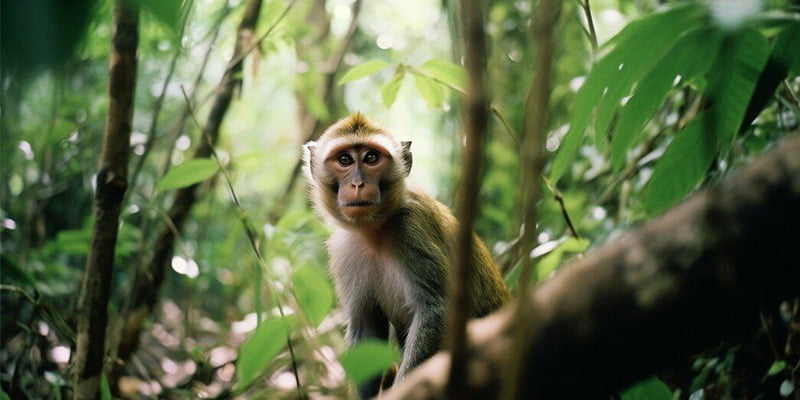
391	262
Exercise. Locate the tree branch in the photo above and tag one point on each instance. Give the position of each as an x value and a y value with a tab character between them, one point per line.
476	118
695	276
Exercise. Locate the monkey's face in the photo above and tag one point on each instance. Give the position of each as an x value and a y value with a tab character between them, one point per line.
361	174
357	172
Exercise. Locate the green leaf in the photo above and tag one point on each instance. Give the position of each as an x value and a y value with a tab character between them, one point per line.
261	348
432	92
367	359
365	69
649	389
776	367
390	89
4	395
682	166
105	389
638	53
448	73
647	36
14	273
688	58
784	51
167	12
553	260
188	173
313	292
734	76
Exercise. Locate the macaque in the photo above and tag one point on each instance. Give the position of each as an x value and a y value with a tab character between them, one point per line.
390	254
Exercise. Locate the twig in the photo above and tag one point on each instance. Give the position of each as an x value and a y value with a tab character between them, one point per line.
159	103
560	199
532	164
252	236
587	11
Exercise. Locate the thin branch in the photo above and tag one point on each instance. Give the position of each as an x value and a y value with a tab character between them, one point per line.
587	12
159	103
252	237
532	161
475	117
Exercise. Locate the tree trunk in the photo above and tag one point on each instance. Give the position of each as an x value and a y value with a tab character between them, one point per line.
147	283
695	276
112	182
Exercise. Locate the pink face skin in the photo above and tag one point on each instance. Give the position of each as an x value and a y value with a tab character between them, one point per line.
358	169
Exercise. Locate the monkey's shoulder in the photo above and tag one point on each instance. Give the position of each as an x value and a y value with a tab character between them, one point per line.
423	216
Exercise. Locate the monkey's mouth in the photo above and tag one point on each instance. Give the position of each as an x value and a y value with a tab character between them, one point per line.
360	203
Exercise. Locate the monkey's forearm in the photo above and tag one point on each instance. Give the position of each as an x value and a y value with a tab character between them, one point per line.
424	338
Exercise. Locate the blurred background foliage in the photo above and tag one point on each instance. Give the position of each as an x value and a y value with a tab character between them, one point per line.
52	112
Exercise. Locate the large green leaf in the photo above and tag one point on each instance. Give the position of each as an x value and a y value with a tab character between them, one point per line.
784	60
682	166
261	348
313	292
390	89
432	92
188	173
362	70
446	72
367	359
785	51
688	58
636	55
649	389
635	49
733	79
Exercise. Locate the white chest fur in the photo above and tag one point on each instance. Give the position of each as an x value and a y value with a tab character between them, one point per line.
366	274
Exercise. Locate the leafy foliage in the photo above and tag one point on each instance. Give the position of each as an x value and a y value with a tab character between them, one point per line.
671	101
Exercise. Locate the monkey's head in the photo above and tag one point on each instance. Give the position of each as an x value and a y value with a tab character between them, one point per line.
356	172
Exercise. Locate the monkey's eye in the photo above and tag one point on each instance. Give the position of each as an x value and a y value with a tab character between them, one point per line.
371	157
344	159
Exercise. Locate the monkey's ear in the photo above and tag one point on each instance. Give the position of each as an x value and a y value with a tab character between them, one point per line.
308	160
407	157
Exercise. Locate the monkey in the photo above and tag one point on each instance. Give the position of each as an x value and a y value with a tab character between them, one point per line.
389	252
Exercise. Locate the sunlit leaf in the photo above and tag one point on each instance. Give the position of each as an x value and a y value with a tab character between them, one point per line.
362	70
261	348
645	36
776	367
682	166
432	92
649	389
688	58
549	263
188	173
390	89
314	293
448	73
368	359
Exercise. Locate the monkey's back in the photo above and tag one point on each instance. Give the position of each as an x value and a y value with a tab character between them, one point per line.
429	221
